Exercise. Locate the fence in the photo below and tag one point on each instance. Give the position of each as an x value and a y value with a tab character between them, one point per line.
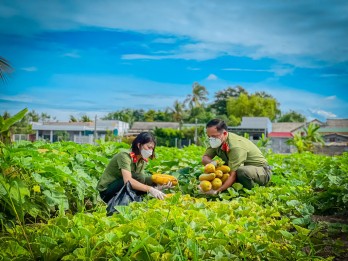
173	142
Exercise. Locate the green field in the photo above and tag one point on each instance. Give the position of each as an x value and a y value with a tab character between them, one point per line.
50	210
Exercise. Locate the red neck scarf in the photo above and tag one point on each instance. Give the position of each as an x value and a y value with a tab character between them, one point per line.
225	147
135	159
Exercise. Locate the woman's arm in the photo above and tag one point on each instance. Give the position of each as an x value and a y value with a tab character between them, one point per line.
127	176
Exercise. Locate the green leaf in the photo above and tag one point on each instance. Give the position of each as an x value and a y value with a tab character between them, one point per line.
286	234
6	124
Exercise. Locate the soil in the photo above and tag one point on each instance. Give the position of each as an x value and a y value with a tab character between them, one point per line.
340	251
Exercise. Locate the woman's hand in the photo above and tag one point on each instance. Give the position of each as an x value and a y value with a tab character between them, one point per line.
157	193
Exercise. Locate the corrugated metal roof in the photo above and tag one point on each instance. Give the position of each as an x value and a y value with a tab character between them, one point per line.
286	126
281	134
333	129
255	122
337	122
141	125
76	126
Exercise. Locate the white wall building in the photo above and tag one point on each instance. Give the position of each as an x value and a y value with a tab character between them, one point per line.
79	132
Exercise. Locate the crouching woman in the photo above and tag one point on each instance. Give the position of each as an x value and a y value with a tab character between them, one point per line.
129	166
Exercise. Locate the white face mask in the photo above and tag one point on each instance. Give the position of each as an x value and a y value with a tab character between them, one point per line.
215	142
146	153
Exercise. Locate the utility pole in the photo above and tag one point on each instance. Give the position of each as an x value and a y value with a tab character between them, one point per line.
95	129
196	138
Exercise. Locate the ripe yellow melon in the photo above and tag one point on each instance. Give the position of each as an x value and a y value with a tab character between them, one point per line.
205	185
209	168
224	177
224	169
162	179
216	183
208	177
218	174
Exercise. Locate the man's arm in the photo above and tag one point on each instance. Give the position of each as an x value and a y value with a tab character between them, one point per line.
229	182
206	159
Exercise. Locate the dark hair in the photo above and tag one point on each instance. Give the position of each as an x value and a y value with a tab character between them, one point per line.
143	138
219	124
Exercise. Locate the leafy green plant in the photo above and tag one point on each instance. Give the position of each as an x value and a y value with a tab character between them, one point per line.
46	188
306	142
6	124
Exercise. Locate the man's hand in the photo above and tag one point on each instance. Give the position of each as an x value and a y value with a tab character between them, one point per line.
157	193
209	192
165	186
214	162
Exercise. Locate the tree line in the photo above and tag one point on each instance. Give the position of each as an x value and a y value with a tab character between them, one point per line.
230	104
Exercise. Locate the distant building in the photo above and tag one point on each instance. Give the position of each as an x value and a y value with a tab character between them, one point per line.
79	132
141	126
254	126
334	132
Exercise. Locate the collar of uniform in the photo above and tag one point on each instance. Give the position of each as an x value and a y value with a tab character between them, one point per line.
135	159
225	146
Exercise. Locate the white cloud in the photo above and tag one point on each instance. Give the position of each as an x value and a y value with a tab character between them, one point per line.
212	77
193	68
246	70
30	69
282	30
143	57
165	40
325	114
333	97
73	54
278	71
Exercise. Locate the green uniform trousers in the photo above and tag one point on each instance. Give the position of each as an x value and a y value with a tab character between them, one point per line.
248	176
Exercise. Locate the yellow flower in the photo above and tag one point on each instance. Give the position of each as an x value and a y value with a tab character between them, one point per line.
36	188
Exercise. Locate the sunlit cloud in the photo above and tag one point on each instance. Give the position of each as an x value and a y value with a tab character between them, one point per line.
333	97
165	40
323	113
73	54
212	77
30	69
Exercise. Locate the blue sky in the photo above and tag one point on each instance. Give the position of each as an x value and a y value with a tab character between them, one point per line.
95	57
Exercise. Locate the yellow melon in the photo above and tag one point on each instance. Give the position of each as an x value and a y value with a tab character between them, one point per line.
216	183
224	177
224	169
205	185
208	177
218	174
209	168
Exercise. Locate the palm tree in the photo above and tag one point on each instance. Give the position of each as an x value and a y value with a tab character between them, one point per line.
178	111
313	136
72	118
198	96
306	142
45	117
5	68
33	116
298	141
7	123
85	118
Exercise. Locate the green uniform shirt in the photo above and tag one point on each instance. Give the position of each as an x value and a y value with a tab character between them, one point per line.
242	152
121	160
